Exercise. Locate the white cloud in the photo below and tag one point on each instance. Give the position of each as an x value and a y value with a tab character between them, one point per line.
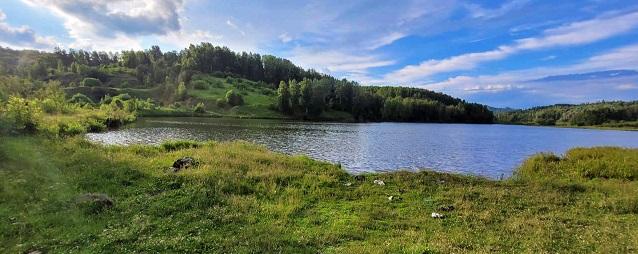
477	11
22	37
335	62
105	18
620	58
461	62
572	34
386	40
492	88
624	87
582	32
182	39
285	38
116	24
235	27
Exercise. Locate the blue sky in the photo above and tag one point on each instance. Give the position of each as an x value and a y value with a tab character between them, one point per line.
482	51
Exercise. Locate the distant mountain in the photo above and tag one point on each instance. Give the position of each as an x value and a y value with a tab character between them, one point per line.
588	76
501	110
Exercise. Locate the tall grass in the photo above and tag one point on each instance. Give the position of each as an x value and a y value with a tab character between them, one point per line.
584	163
243	198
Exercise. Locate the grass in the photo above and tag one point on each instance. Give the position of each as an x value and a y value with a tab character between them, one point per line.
257	99
244	198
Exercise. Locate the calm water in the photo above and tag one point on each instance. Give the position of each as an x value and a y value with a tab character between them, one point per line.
487	150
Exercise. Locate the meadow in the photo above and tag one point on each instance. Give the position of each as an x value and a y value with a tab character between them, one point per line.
243	198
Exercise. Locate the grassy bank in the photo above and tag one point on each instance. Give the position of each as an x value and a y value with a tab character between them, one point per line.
243	198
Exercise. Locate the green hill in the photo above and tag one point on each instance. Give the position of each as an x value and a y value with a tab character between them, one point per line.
199	78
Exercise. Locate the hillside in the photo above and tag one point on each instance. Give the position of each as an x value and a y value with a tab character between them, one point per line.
211	80
603	114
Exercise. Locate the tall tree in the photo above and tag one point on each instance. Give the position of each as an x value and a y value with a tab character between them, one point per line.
283	97
306	95
295	95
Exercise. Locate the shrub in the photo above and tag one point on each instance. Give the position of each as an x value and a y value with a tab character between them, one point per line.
200	84
124	97
94	125
200	108
233	98
71	128
218	84
23	114
221	103
81	99
179	145
91	82
180	91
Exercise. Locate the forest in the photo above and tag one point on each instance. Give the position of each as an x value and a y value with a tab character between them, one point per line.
174	79
605	114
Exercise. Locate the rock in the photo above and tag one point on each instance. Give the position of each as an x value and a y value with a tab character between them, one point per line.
379	182
359	178
183	163
446	208
438	216
95	202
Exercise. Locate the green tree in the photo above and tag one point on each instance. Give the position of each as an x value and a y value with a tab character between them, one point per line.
295	95
233	98
306	95
283	97
180	92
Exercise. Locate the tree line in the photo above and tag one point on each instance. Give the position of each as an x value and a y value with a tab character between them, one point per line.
303	93
590	114
311	97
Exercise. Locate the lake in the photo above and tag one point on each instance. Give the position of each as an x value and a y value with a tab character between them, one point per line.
492	151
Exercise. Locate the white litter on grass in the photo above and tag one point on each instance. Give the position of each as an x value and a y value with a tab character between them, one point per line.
390	198
348	184
379	182
437	216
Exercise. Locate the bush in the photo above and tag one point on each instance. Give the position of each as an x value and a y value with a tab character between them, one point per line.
81	99
221	103
94	125
233	98
178	145
200	108
124	97
200	84
91	82
71	128
22	114
180	91
218	84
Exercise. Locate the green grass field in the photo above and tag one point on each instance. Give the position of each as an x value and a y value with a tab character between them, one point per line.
243	198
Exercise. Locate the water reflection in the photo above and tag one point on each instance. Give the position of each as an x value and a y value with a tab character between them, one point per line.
487	150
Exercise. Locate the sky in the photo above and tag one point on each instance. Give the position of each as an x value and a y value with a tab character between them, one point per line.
491	52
